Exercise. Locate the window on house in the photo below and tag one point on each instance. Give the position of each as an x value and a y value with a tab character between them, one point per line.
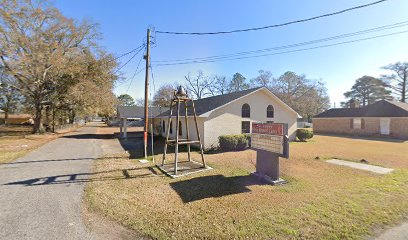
180	130
270	111
356	123
246	127
164	126
246	111
269	121
171	127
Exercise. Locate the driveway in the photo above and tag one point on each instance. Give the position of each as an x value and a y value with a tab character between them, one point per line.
41	193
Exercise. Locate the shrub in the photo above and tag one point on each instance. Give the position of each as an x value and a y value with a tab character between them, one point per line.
233	142
304	134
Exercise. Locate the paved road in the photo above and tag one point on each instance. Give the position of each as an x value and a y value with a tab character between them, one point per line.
41	193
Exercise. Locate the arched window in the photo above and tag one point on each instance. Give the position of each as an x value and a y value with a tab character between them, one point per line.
246	111
269	111
171	127
164	126
180	130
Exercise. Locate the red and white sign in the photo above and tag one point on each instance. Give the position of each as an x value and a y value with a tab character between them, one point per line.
268	128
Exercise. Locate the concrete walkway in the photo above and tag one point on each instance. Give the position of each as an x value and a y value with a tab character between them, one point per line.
361	166
397	233
41	193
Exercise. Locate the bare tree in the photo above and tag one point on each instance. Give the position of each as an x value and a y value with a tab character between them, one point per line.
307	97
198	85
220	85
398	79
264	79
140	102
164	95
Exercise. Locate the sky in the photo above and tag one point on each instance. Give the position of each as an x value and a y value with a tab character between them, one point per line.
123	24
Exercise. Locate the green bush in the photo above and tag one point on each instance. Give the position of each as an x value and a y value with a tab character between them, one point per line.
233	142
304	134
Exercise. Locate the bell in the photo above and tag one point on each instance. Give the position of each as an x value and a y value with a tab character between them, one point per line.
181	92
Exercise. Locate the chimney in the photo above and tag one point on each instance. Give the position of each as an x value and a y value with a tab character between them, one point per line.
354	103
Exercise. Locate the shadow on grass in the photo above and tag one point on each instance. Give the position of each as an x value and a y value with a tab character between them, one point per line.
213	186
87	177
133	144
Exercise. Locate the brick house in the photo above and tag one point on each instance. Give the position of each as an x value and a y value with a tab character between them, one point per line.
383	118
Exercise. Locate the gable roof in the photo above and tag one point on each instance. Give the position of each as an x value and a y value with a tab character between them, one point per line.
209	104
383	108
137	112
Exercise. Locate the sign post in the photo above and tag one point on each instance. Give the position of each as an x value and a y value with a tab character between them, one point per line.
270	140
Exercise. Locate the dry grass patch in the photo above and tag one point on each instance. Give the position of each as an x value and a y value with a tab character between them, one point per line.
16	141
320	201
385	152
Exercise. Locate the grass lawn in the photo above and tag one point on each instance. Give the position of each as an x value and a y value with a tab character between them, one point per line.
16	141
321	200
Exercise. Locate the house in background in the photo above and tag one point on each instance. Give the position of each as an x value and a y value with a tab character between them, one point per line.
383	118
133	116
14	118
230	113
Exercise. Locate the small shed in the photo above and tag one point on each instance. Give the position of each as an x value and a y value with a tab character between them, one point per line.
125	113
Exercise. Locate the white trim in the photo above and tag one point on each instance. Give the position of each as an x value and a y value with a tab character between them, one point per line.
206	114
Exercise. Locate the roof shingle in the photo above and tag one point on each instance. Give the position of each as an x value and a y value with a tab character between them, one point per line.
210	103
383	108
137	112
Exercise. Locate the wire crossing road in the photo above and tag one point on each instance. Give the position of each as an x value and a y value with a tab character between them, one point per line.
41	193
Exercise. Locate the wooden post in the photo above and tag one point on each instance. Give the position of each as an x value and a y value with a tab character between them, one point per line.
146	100
198	134
177	137
187	132
151	132
125	127
121	127
167	131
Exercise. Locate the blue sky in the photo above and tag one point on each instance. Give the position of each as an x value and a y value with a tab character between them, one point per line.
123	26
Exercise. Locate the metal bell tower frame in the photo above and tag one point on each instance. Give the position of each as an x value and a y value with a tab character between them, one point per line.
181	100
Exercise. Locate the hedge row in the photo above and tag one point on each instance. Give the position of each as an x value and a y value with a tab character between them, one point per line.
234	142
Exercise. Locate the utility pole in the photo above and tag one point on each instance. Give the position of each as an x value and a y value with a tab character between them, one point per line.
146	103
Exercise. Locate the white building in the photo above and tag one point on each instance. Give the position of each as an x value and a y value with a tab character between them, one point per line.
230	113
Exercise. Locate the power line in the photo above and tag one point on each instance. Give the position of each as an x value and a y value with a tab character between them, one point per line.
128	61
125	54
284	52
154	84
381	28
135	73
275	25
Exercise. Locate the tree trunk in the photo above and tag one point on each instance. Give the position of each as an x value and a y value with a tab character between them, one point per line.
53	118
7	109
72	117
6	115
38	125
47	119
